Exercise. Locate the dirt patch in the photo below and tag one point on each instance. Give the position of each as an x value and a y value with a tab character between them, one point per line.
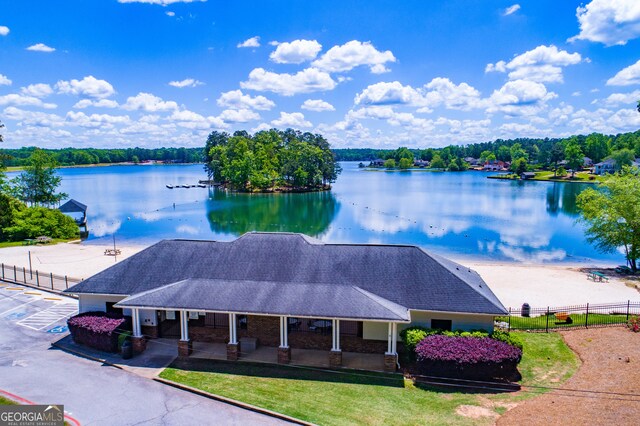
603	391
474	411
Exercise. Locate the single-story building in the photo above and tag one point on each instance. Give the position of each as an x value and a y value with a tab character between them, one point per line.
527	175
289	291
606	166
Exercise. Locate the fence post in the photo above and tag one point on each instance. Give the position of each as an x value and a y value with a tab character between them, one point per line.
547	329
37	279
24	275
3	271
586	318
509	327
628	303
51	275
66	282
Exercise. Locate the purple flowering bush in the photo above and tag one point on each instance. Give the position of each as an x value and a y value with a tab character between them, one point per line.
470	358
99	330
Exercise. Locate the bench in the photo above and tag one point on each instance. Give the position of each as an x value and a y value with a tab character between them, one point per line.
597	276
112	252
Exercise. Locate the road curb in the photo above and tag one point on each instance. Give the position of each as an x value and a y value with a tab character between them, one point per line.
23	401
232	402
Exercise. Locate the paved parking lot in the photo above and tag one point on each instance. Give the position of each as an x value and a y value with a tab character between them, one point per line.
36	310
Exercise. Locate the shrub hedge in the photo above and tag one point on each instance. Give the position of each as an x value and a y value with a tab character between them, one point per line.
480	358
99	330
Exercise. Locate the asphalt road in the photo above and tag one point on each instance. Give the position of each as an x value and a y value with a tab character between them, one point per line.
92	393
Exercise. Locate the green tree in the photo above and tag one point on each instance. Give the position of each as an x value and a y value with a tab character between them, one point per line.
517	152
612	214
38	183
8	208
437	162
487	156
390	163
560	171
503	153
405	163
623	157
597	146
574	156
33	222
519	165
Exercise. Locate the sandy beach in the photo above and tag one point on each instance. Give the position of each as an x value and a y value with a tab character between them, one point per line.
540	285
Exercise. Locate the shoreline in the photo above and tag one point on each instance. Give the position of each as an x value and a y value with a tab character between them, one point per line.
11	169
514	283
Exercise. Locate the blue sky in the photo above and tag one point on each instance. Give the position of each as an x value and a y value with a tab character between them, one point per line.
112	73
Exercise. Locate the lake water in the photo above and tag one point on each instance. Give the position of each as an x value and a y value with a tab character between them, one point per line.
456	214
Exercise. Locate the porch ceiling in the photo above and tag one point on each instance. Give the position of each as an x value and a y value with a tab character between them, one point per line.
271	298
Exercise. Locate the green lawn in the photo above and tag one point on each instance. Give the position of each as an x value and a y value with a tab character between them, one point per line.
540	322
579	177
4	244
356	397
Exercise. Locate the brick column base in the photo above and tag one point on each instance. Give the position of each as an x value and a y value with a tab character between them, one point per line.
284	355
390	362
185	348
139	344
335	358
233	351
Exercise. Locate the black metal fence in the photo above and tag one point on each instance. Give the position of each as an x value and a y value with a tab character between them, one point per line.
582	316
35	278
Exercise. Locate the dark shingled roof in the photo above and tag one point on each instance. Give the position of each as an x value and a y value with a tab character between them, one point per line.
403	275
72	206
264	297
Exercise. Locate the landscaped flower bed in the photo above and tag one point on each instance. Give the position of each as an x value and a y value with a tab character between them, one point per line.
475	358
99	330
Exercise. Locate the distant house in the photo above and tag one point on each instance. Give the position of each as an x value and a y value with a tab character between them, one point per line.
587	162
472	161
562	163
604	167
494	165
378	162
527	175
288	292
421	163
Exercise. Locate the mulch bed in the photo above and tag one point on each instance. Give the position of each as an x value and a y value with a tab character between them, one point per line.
610	363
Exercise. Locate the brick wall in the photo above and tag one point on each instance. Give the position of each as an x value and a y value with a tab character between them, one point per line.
265	329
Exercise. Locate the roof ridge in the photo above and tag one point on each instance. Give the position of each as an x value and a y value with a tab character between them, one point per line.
378	299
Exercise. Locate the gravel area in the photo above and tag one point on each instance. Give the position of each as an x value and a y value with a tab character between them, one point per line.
610	363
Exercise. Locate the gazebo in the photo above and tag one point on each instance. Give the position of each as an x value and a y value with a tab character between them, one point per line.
73	206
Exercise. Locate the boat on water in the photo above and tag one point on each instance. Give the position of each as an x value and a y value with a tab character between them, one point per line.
170	186
201	185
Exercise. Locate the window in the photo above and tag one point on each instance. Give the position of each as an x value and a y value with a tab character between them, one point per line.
441	324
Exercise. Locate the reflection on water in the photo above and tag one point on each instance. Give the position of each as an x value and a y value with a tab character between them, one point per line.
234	213
456	214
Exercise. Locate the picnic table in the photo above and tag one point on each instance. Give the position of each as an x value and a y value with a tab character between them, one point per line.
597	276
43	240
112	252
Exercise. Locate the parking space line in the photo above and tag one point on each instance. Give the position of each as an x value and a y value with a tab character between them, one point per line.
45	318
19	306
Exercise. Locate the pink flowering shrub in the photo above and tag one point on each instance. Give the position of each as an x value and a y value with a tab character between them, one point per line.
98	330
470	358
634	324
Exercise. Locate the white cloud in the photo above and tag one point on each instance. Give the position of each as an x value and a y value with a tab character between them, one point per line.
292	120
442	91
251	42
39	90
95	120
4	80
32	118
88	86
237	100
305	81
41	47
170	13
192	120
238	115
4	30
295	52
623	98
379	69
609	22
520	97
100	103
148	102
353	54
22	100
187	82
160	2
388	94
542	64
627	76
317	105
511	10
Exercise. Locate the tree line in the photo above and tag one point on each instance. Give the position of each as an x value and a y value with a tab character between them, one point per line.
270	160
84	156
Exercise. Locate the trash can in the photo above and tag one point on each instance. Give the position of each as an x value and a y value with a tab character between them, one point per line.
526	310
127	349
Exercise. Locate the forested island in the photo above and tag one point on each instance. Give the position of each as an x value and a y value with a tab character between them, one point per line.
271	161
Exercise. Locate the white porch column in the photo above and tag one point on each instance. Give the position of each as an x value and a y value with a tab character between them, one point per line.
284	335
394	339
184	326
389	339
135	317
336	335
233	332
